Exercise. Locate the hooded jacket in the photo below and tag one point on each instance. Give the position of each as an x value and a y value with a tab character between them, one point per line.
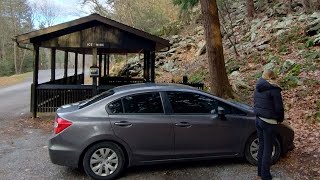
268	101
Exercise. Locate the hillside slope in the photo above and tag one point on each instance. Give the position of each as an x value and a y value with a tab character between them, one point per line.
288	43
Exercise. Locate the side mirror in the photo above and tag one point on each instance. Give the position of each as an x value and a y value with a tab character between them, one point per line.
221	114
221	111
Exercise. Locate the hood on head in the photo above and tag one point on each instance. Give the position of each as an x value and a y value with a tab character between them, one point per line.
264	85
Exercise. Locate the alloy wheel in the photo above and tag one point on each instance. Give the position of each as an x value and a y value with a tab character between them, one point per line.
254	148
104	161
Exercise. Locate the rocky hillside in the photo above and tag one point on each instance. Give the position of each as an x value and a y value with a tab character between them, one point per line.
285	40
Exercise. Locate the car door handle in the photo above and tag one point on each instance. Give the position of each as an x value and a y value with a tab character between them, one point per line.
183	124
123	123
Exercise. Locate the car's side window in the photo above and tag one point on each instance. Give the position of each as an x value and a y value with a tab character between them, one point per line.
230	109
115	107
191	103
143	103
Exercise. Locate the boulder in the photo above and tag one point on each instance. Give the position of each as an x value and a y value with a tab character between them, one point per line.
201	48
168	66
287	66
234	74
131	69
285	24
237	81
270	66
317	40
315	15
280	32
263	41
263	47
280	9
160	56
313	28
134	60
172	50
253	36
302	18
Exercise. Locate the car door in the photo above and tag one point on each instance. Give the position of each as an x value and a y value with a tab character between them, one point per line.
199	131
140	121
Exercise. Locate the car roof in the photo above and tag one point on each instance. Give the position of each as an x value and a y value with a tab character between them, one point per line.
152	86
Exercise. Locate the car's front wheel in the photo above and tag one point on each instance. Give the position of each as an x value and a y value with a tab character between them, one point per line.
104	160
252	148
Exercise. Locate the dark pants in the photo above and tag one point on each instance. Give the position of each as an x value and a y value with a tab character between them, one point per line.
266	135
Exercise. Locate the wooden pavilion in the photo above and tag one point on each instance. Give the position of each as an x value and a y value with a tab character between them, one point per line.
91	35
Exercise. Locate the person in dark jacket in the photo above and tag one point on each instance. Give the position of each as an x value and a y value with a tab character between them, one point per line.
269	110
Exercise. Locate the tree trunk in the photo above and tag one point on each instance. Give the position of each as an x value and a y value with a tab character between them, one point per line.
219	83
307	5
22	59
318	5
4	58
15	57
250	8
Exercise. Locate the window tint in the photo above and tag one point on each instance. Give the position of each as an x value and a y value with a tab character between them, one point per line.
184	102
230	109
143	103
96	98
116	107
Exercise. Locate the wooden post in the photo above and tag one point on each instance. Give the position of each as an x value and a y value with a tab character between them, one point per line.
108	65
35	81
100	64
105	64
146	65
83	62
76	67
66	56
94	63
152	65
184	79
53	64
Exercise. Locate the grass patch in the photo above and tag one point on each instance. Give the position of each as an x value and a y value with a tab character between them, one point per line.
14	79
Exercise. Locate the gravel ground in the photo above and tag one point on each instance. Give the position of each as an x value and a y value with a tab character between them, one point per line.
25	156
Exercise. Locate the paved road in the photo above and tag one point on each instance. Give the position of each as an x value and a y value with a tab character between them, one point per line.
15	100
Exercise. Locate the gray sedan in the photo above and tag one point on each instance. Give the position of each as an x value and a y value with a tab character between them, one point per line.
155	123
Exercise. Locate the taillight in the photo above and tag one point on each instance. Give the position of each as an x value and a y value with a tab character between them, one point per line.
61	125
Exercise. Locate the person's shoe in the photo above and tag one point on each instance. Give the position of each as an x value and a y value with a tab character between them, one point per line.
259	178
275	178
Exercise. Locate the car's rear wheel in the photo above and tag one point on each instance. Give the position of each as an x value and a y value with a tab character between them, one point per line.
104	160
252	148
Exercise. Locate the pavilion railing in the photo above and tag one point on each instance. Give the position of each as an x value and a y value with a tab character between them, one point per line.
52	95
76	79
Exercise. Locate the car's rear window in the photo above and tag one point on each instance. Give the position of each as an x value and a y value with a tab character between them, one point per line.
96	98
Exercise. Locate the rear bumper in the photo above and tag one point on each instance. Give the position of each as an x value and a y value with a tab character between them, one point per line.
63	156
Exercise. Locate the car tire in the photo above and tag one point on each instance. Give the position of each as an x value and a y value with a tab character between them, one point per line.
250	150
104	161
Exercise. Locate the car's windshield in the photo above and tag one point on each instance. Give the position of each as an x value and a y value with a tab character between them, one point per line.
95	99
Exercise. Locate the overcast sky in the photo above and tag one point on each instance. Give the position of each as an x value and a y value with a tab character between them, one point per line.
69	9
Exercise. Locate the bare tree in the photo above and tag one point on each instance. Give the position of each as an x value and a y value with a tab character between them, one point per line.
307	5
224	13
219	82
318	4
250	8
46	12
